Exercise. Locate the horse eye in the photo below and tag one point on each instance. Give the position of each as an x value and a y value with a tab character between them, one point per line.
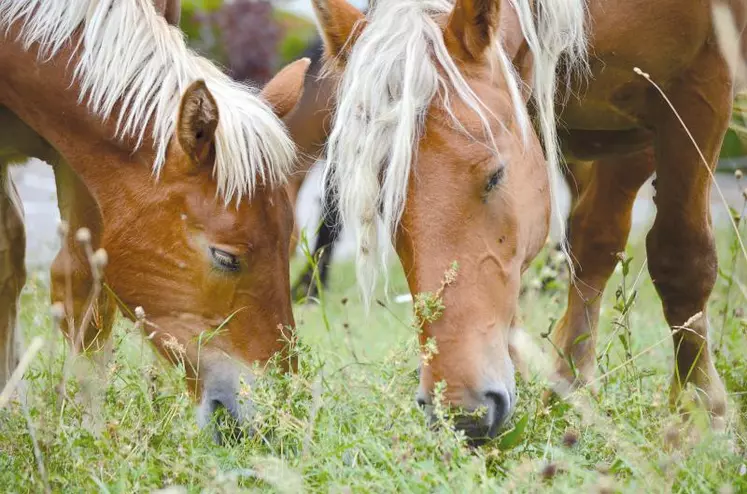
225	260
494	180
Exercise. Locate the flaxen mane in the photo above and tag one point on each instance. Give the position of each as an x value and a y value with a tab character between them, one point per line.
398	65
133	67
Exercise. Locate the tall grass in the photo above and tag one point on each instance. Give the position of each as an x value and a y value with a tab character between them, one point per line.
347	422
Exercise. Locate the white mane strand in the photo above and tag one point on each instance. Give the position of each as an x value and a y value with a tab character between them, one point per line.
395	70
133	67
397	67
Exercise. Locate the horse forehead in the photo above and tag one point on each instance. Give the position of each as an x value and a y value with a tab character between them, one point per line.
459	126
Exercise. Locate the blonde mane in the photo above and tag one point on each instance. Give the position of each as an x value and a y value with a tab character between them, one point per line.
396	68
133	67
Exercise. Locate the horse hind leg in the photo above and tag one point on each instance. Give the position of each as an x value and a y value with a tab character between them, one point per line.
12	273
680	245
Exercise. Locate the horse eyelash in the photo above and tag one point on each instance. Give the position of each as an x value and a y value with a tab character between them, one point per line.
225	260
495	180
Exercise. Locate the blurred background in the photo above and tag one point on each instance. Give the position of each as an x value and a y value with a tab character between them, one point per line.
252	40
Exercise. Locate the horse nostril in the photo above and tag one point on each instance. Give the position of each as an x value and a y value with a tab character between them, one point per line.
421	402
499	406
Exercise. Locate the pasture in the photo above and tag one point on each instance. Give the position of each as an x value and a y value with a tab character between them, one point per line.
205	285
347	421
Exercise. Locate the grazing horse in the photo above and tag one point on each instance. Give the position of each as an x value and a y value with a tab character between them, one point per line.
309	127
431	138
173	168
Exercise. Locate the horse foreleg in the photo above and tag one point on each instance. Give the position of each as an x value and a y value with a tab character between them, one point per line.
323	248
13	271
600	224
73	283
681	246
293	187
89	309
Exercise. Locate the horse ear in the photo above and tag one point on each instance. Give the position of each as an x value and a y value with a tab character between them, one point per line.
472	28
340	24
286	88
173	12
198	119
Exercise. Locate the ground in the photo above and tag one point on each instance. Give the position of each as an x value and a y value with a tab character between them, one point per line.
347	421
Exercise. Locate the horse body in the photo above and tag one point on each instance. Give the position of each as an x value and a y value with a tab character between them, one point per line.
174	245
613	97
621	124
481	197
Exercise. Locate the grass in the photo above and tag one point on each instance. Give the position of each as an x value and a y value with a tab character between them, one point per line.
347	421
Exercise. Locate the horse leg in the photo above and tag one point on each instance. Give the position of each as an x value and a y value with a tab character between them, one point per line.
577	175
73	285
600	223
680	245
293	188
323	249
13	274
71	273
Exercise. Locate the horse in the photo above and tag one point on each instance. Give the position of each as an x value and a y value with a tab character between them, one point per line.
431	138
170	168
309	127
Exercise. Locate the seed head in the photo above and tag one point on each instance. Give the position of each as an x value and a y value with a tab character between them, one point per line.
63	228
58	311
738	174
83	235
451	274
171	343
139	313
100	258
570	438
549	471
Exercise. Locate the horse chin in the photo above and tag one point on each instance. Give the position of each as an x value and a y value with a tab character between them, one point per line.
225	408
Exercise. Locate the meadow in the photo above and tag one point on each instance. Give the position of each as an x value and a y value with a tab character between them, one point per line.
347	421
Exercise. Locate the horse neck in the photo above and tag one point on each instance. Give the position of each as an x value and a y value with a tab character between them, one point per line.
40	94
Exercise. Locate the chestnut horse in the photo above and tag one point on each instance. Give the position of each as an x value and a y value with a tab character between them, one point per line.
431	138
174	169
309	127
